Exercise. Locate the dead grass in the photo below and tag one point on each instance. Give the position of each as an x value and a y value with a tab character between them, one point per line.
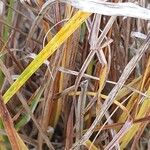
74	75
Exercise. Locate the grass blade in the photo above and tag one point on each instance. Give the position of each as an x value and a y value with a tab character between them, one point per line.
47	51
14	138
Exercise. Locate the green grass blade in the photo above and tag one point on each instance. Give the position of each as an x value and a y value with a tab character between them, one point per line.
25	118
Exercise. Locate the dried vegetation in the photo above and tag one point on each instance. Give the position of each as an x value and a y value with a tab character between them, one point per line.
75	74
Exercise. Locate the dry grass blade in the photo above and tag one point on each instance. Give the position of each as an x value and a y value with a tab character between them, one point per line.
80	111
111	9
128	69
25	105
38	19
123	91
116	125
93	51
139	133
143	112
127	125
15	140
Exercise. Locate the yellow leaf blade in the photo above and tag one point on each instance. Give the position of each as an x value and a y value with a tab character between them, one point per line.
47	51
